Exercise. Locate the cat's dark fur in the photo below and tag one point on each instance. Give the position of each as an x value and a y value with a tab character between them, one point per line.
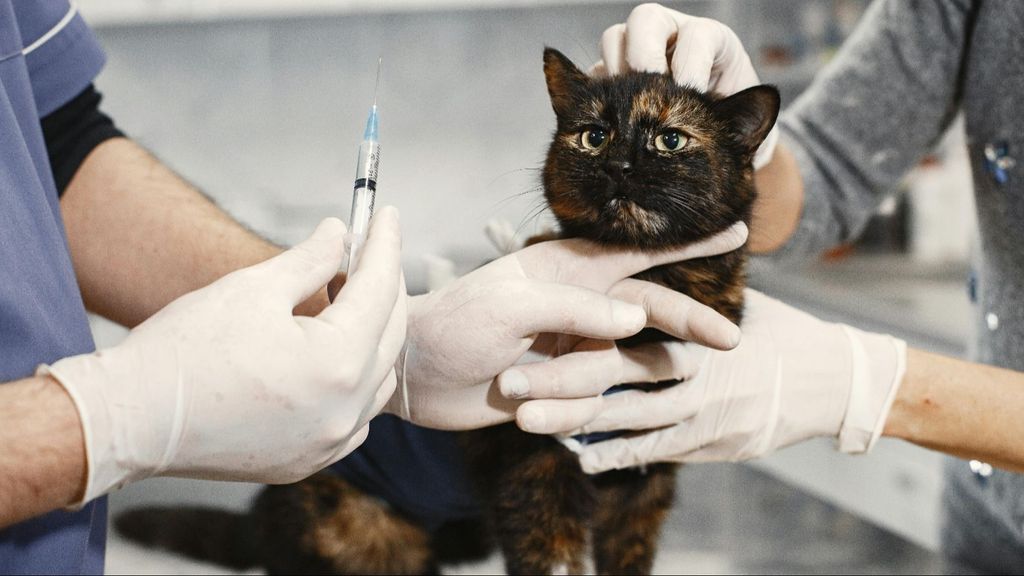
540	508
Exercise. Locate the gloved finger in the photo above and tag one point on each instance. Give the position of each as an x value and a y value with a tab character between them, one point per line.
678	314
300	272
640	410
731	70
557	416
661	362
613	50
393	337
355	441
365	302
584	263
697	47
583	373
643	410
569	309
380	399
618	453
459	409
651	30
596	366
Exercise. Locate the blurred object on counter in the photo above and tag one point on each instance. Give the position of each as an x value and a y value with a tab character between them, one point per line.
943	221
931	217
797	38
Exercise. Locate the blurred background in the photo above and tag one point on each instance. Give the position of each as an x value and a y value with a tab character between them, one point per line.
261	104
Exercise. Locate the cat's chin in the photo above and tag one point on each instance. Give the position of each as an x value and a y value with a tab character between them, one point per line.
621	229
625	222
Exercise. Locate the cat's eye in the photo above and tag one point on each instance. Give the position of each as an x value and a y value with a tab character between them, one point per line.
593	138
671	141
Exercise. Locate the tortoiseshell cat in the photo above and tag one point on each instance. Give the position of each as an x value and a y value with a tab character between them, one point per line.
636	161
640	162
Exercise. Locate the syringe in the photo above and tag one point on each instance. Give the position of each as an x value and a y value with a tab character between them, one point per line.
365	189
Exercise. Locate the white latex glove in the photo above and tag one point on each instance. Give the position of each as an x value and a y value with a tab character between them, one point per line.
792	377
700	52
465	335
226	384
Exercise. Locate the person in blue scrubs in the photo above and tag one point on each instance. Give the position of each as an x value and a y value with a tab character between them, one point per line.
238	365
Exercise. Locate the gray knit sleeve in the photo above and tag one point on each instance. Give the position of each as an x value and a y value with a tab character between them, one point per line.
871	113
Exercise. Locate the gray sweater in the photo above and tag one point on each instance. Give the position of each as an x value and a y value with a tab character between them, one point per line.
879	106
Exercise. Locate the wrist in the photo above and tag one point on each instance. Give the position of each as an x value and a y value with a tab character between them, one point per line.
914	401
121	426
42	455
878	365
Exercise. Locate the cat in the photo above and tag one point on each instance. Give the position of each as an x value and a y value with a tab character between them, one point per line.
636	161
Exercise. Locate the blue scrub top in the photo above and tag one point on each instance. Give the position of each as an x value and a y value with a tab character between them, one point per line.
47	56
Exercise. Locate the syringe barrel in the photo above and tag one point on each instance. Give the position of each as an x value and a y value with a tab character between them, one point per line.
364	193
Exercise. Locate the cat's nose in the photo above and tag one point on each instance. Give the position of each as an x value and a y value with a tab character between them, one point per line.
618	170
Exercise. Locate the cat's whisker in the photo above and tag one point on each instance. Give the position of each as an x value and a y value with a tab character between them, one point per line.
512	197
511	172
533	214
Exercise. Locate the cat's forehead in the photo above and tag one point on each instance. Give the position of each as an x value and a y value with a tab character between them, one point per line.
650	99
666	107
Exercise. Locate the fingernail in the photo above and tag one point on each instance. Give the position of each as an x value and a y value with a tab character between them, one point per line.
330	227
628	315
532	420
387	213
733	335
514	384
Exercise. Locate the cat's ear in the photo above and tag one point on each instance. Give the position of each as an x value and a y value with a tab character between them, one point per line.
564	80
751	113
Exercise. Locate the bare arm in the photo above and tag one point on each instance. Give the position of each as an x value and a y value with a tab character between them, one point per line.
780	197
42	452
964	409
140	236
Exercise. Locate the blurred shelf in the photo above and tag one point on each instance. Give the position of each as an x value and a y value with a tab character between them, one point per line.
925	304
142	12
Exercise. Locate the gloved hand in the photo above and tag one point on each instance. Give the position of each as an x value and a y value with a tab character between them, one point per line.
226	384
464	335
700	52
792	377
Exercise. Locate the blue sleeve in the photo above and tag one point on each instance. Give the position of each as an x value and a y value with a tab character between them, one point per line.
61	53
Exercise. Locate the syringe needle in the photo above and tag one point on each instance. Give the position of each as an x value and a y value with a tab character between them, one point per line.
376	85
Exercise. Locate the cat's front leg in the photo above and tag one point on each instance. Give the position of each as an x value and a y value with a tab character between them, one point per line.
539	501
632	506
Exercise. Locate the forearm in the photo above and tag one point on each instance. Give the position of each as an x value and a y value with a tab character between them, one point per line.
960	408
42	452
140	236
780	195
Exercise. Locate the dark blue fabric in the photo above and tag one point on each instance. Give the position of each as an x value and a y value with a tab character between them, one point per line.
42	317
417	470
